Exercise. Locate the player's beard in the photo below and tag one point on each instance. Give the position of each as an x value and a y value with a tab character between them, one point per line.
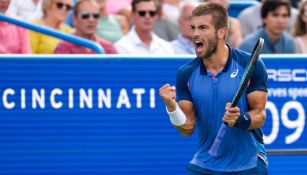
211	46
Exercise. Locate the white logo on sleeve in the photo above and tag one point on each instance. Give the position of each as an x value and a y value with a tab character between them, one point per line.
245	117
234	73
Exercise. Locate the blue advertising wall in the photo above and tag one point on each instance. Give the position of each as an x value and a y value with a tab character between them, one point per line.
103	115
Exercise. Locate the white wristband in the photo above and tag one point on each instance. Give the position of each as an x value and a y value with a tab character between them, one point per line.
177	117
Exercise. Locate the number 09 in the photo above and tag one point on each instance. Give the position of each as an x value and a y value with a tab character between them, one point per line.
297	124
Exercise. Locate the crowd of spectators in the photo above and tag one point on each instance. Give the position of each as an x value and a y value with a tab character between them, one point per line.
147	26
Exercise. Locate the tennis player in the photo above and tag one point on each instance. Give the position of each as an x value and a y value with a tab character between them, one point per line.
204	89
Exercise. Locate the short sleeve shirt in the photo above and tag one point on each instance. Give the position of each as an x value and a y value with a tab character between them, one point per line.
209	94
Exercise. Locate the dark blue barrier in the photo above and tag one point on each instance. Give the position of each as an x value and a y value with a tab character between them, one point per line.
103	115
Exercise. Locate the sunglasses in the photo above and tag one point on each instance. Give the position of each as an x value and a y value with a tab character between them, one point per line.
88	15
60	5
142	13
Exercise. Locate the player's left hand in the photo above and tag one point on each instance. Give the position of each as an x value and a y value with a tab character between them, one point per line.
231	114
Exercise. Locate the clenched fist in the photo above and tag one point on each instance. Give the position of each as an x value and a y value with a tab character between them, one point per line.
168	95
231	115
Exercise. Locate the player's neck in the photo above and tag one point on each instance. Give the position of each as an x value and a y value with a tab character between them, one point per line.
218	60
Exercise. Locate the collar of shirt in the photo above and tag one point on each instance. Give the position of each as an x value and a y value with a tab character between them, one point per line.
203	68
137	41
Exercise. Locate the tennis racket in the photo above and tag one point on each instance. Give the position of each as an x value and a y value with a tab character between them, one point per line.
246	76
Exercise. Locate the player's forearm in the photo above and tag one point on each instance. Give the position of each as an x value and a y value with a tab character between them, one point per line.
257	118
257	101
187	129
171	106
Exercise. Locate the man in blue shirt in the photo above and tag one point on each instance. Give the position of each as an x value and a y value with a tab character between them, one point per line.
183	44
275	16
205	87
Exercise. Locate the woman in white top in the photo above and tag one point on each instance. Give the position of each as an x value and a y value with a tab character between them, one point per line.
299	30
27	10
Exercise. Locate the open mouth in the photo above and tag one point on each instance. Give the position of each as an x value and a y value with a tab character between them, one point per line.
199	46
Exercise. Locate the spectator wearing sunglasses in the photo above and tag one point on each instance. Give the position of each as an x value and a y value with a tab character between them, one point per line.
54	15
141	39
13	39
86	15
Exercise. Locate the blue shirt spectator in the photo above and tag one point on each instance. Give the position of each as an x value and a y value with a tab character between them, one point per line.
275	16
285	44
182	45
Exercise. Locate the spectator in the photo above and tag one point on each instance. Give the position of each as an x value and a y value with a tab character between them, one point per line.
27	10
86	15
111	27
126	12
141	39
164	28
299	30
13	39
184	43
54	15
275	16
234	37
250	19
171	10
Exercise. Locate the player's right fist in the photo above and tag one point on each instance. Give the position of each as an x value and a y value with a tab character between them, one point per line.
168	94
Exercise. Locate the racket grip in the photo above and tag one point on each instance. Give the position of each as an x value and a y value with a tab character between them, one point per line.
218	140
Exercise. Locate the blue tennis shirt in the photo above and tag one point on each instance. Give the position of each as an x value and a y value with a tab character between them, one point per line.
209	93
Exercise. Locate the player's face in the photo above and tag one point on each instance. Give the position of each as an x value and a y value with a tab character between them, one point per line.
204	36
276	21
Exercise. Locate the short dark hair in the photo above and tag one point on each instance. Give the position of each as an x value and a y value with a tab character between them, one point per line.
219	13
272	5
135	2
76	7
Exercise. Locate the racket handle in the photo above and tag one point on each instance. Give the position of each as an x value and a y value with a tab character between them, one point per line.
218	140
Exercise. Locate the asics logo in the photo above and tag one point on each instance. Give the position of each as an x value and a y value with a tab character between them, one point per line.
234	73
245	117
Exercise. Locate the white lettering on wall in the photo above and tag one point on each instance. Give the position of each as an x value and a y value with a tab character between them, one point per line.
138	92
38	98
104	98
123	99
6	104
86	98
54	104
